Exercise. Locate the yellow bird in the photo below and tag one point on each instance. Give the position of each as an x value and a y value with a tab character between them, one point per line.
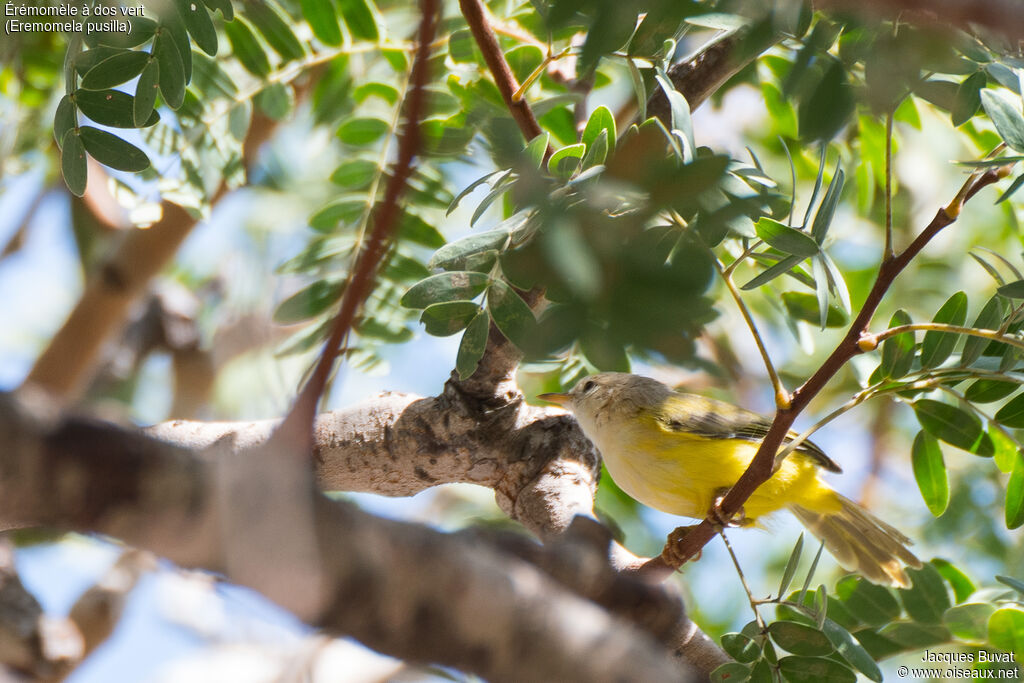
678	452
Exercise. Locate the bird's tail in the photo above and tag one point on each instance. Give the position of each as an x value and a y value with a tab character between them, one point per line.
861	542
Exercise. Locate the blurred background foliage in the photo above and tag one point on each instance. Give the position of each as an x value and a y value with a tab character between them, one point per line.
630	226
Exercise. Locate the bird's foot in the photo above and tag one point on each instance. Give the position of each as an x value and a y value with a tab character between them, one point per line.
721	520
673	554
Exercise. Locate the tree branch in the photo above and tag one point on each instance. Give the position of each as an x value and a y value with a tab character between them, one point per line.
401	588
1003	16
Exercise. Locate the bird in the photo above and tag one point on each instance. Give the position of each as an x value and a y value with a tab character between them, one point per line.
679	453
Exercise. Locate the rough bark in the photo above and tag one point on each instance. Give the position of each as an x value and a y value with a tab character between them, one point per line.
400	588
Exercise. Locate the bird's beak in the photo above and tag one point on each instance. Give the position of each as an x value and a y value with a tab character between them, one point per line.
560	399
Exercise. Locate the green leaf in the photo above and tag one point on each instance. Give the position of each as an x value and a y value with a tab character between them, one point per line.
110	108
145	94
454	255
511	314
65	119
444	320
226	10
461	46
604	352
915	636
309	302
471	348
1017	183
323	20
112	151
989	390
797	669
785	238
413	228
730	672
769	274
989	319
804	306
565	161
601	119
247	48
969	622
898	351
1015	584
275	29
680	108
360	18
534	153
927	599
1012	414
870	604
741	647
1013	290
937	346
852	651
597	154
949	423
171	70
362	131
829	107
450	286
823	218
1015	496
199	24
345	210
930	472
1006	630
799	639
961	584
115	70
791	564
1005	114
968	98
1006	450
73	165
276	100
354	174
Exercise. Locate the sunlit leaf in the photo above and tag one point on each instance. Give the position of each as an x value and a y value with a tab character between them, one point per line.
323	20
73	165
898	350
445	319
112	151
115	70
473	344
448	286
930	472
1005	114
937	346
510	313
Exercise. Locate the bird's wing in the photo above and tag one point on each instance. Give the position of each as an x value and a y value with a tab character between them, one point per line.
713	419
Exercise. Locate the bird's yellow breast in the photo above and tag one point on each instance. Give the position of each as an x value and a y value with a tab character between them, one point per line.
681	473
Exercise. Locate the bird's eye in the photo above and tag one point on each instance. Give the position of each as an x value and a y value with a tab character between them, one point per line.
588	386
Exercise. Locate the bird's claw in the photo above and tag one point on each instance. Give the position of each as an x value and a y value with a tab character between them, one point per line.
673	553
721	520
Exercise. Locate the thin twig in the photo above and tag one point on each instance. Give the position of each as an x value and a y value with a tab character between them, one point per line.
298	424
994	335
743	579
888	249
782	397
